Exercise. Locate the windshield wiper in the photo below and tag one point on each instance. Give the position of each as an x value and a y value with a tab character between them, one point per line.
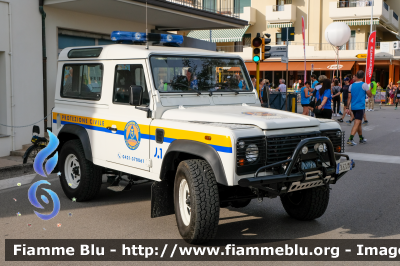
187	86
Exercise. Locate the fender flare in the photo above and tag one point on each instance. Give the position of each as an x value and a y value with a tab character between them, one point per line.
199	149
82	135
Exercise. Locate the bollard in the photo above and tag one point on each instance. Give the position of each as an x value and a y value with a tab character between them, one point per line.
293	105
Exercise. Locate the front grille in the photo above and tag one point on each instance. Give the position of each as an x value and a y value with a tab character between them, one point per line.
337	141
248	162
280	148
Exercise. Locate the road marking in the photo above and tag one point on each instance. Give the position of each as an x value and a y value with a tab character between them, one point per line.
374	157
369	128
12	182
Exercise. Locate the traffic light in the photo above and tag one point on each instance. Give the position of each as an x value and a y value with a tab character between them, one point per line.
256	45
266	49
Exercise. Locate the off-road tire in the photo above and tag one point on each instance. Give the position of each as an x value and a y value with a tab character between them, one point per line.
307	204
91	175
204	201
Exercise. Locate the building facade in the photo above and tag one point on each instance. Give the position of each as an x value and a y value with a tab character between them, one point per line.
69	23
274	16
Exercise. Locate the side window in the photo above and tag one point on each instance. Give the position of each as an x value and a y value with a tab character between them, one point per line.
126	76
82	81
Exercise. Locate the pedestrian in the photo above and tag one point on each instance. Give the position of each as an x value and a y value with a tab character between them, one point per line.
388	89
265	94
319	84
253	80
397	95
324	101
392	91
297	85
314	81
371	100
336	97
357	94
345	94
261	90
282	86
353	79
305	93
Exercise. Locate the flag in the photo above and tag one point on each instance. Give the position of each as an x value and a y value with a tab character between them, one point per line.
304	47
370	57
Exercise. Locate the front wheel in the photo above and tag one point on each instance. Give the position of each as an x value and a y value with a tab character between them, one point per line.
31	153
196	201
307	204
80	178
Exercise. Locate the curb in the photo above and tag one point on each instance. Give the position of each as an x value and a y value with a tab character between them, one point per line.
16	170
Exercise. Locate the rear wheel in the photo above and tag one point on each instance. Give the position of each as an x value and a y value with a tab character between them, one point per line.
196	201
307	204
80	178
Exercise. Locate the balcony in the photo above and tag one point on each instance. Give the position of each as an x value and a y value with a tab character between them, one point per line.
394	21
249	14
167	15
227	8
351	10
281	14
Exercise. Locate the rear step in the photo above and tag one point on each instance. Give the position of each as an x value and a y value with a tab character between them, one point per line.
117	184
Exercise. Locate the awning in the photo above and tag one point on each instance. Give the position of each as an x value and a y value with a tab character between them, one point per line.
359	22
299	66
227	35
280	25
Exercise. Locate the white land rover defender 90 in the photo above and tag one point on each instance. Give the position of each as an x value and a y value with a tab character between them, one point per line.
190	121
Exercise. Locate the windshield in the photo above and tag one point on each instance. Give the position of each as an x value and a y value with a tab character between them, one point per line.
199	74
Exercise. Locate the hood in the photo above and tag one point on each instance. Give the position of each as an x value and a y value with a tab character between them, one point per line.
263	118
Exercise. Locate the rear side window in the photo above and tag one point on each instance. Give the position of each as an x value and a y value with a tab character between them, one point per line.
82	81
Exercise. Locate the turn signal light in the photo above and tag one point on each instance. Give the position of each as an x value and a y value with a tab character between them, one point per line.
241	162
338	149
208	137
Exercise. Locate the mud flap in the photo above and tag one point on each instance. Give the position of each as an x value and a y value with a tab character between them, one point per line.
162	199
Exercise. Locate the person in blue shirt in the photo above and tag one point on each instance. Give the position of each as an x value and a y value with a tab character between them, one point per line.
357	95
314	81
195	83
324	94
305	93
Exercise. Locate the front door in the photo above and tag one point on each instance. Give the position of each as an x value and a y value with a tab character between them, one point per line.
130	129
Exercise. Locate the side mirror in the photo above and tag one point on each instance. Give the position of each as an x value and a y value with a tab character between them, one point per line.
36	129
135	95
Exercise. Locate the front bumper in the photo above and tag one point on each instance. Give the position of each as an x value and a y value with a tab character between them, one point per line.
288	181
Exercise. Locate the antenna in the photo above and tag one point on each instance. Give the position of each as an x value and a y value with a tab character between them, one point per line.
147	33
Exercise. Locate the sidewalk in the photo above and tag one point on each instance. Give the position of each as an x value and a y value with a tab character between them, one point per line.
11	166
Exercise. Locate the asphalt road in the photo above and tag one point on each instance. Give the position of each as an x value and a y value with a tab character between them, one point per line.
365	203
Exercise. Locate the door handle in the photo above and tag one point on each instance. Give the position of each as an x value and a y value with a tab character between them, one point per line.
113	128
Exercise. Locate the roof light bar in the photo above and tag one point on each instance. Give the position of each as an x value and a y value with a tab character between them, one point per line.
140	37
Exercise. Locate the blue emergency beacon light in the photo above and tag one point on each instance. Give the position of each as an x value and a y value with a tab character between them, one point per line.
140	37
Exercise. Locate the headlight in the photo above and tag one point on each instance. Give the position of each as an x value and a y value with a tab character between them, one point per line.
252	153
304	150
